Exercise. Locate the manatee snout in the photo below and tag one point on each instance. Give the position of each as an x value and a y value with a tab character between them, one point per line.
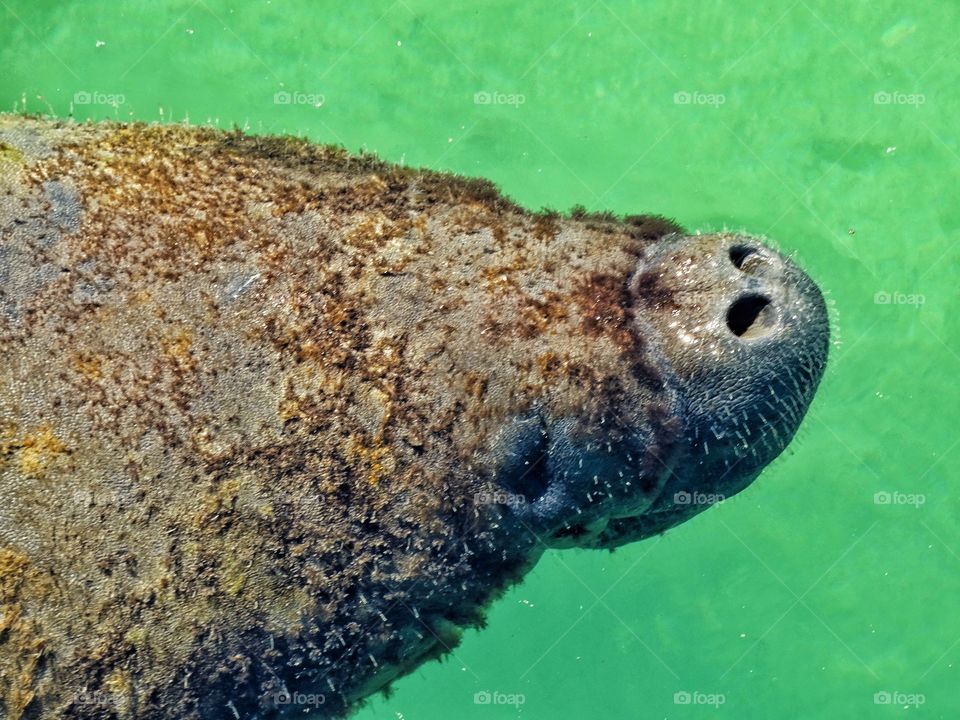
746	333
740	335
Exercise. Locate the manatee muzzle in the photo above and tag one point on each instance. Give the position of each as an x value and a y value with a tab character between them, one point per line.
741	335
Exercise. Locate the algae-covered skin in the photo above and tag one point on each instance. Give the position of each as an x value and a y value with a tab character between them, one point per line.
277	422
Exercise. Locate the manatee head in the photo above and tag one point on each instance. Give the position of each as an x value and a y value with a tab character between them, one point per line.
737	338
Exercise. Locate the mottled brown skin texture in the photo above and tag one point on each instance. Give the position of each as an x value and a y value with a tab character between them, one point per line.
255	395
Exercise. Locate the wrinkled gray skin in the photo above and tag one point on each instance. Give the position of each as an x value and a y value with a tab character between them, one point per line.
278	422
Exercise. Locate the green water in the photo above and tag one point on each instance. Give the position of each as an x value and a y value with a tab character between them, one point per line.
830	127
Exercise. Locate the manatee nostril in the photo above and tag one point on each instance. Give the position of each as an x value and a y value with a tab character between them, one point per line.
750	316
739	255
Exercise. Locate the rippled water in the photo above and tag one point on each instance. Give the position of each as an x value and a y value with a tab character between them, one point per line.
829	588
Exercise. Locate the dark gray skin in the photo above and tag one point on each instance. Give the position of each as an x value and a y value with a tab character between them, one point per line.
279	422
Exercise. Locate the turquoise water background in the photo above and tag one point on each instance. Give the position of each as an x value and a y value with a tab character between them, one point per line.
828	589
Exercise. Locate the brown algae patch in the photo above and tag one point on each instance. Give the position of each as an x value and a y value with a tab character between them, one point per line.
32	452
10	154
20	640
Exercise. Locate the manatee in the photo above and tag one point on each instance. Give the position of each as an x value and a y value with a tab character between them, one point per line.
279	422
